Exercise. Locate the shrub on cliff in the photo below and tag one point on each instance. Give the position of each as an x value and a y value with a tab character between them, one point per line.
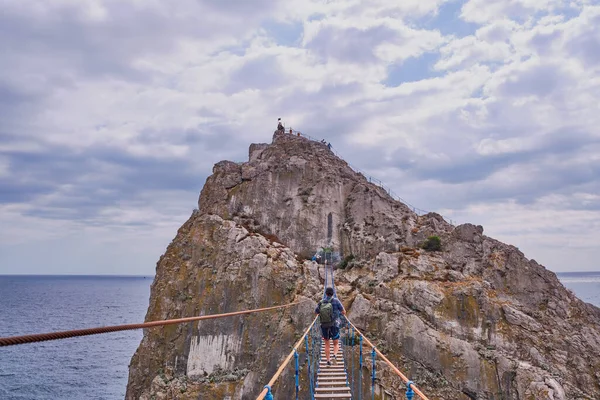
346	261
433	243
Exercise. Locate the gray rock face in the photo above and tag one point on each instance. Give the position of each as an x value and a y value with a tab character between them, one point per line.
215	266
302	193
476	320
516	317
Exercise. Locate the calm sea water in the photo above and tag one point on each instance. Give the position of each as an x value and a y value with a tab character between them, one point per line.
586	285
92	367
96	367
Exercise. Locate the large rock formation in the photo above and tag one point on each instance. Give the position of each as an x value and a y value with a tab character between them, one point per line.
476	320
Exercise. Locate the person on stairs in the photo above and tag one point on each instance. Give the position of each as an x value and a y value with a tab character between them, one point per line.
329	310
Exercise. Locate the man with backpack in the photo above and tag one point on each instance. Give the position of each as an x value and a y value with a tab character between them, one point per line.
329	310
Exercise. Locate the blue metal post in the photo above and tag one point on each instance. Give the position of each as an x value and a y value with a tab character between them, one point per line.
297	373
352	361
346	339
269	395
333	283
326	277
360	364
317	347
373	375
409	391
308	366
315	358
331	279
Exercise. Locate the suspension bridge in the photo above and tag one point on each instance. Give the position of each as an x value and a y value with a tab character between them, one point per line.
344	379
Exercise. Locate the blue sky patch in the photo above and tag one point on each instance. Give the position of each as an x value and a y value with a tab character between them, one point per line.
284	34
413	69
448	21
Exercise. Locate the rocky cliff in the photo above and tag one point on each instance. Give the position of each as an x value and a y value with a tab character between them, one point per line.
474	320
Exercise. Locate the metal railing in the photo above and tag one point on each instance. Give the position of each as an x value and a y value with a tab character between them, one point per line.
371	179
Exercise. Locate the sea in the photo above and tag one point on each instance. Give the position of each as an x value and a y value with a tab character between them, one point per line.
96	367
88	367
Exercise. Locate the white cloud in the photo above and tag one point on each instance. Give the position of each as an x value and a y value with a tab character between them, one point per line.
497	31
489	146
482	11
544	230
111	119
468	50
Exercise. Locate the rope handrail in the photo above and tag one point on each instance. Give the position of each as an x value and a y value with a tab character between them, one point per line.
285	362
40	337
389	363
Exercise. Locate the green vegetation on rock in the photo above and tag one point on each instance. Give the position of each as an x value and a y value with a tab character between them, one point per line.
433	243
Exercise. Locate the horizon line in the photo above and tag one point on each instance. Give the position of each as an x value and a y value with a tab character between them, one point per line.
153	275
85	275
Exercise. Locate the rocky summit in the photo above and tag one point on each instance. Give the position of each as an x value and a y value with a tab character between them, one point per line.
472	319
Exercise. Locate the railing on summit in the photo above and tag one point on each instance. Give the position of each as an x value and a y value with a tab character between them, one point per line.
381	184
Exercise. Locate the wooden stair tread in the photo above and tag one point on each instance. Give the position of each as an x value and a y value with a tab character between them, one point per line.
332	389
333	395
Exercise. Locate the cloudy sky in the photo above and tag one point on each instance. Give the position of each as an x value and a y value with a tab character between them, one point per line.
112	113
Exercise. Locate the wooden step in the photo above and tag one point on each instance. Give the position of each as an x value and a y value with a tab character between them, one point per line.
321	389
331	383
333	395
332	379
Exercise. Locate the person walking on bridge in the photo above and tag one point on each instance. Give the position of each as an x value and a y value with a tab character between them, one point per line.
329	310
